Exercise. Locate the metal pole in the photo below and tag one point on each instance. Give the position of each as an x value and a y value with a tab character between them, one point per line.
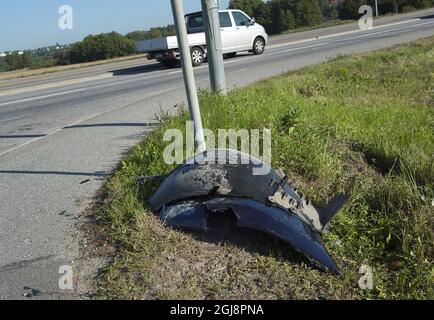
187	70
376	8
211	20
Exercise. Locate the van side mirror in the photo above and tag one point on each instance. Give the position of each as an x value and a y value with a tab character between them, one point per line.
252	21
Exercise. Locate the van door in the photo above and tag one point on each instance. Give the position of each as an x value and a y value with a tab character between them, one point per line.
228	32
245	31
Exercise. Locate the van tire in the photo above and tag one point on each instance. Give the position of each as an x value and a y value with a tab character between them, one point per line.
259	46
197	56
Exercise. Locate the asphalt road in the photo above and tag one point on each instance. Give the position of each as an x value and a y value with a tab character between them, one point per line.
62	134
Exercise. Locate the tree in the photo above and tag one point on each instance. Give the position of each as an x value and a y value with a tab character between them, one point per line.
251	7
98	47
152	33
329	12
350	9
309	13
3	65
26	59
282	18
12	61
15	61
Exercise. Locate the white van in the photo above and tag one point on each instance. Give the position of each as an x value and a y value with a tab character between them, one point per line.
239	33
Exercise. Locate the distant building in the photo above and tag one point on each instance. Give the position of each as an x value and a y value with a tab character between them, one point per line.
2	55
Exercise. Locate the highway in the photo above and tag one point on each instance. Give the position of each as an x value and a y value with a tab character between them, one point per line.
62	134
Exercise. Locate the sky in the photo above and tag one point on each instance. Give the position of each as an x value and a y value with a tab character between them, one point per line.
30	24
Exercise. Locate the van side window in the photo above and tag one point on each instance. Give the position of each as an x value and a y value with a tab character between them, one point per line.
195	21
240	19
225	20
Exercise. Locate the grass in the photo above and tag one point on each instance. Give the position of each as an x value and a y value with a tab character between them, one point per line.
362	123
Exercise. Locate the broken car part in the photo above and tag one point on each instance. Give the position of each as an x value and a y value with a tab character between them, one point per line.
269	203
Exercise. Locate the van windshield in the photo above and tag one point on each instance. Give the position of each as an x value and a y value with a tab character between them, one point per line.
240	19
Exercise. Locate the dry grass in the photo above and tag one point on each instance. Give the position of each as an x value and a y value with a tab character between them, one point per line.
27	73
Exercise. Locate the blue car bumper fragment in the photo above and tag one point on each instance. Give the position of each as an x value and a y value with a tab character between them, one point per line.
253	215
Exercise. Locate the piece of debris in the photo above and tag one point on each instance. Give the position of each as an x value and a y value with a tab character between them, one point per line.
200	189
32	292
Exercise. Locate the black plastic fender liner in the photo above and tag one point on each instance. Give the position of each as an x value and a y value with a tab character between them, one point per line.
200	180
204	177
187	215
253	215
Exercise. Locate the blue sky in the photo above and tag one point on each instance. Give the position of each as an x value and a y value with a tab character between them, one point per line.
29	24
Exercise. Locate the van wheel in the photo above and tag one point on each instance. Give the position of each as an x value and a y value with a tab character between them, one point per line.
197	56
259	46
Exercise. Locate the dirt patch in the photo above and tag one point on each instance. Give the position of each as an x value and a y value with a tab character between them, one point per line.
95	250
238	265
354	161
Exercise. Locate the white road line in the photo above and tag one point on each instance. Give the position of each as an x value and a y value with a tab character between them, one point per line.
422	24
41	97
56	84
304	47
196	68
397	29
154	94
273	53
12	119
338	34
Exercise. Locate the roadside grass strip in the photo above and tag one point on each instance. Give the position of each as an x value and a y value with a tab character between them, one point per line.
363	123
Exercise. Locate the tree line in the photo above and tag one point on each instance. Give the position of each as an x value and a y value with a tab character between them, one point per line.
278	16
109	45
96	47
15	61
349	9
153	33
92	48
